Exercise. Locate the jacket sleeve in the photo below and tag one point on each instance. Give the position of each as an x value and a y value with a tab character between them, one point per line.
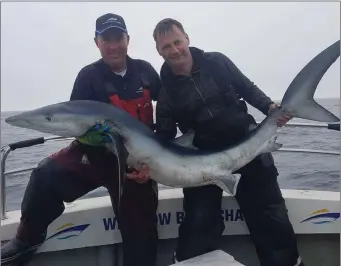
246	88
165	126
82	88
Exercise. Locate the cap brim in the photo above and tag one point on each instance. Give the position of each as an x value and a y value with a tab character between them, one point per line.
111	27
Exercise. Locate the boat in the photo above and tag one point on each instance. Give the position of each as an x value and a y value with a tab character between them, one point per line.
87	234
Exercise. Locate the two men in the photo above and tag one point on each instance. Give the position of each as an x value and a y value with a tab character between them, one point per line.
131	84
202	91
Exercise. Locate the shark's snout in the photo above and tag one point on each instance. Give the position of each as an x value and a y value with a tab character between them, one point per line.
17	121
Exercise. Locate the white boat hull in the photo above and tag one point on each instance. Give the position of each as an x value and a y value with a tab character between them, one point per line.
87	234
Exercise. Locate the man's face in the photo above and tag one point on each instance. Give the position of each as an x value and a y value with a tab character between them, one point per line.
173	46
113	45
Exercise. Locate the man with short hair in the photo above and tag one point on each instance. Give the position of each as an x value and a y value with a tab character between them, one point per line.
202	91
65	176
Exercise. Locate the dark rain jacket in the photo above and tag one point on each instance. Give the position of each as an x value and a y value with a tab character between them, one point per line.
210	101
134	92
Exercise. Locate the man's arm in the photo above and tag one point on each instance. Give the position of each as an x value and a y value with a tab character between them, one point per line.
82	88
165	126
247	89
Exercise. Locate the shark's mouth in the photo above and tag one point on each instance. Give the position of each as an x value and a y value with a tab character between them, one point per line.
57	132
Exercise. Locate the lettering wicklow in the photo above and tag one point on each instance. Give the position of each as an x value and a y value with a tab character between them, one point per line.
166	218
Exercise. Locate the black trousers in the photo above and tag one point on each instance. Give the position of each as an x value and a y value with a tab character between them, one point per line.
66	176
264	210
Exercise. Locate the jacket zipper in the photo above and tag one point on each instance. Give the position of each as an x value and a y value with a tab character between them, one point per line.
202	97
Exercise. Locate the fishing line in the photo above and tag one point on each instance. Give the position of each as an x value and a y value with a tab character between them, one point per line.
114	149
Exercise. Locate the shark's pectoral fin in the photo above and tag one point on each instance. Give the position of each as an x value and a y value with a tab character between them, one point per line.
271	146
228	183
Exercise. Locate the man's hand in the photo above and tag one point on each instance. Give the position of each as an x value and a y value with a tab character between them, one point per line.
283	119
140	177
96	136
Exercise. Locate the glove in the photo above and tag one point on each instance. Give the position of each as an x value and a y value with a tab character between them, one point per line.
281	121
96	136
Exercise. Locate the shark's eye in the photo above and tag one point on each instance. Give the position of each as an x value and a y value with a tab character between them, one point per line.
48	118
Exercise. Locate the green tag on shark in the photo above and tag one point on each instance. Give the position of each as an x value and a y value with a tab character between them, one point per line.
96	136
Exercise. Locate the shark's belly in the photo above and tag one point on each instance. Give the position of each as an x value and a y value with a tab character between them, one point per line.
178	175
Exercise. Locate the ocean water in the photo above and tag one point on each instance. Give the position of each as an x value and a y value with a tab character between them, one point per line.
296	170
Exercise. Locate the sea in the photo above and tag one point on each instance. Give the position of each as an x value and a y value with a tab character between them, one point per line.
297	170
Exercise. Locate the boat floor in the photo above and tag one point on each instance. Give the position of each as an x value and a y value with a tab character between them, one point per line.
100	244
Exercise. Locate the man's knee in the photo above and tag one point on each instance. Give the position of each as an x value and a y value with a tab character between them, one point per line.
53	180
41	176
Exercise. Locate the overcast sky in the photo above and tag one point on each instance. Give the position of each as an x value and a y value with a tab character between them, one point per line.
44	45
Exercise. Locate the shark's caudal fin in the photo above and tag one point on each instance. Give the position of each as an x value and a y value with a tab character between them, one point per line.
298	99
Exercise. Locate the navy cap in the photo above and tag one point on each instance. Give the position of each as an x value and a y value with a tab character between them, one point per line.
109	21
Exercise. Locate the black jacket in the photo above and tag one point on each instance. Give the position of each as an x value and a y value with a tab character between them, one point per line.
209	101
90	81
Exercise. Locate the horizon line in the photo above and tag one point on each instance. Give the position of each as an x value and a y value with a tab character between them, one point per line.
328	98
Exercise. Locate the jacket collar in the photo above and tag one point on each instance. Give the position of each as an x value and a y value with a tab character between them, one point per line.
107	70
168	77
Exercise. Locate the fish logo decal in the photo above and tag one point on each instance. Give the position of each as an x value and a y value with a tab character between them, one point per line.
322	216
68	230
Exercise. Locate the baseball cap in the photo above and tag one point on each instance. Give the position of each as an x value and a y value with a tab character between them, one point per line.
109	21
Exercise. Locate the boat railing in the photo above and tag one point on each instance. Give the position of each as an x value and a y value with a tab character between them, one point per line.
6	150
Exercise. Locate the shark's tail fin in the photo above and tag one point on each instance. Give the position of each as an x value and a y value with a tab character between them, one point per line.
298	99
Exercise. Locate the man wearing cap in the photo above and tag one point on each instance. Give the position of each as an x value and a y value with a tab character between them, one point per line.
67	175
